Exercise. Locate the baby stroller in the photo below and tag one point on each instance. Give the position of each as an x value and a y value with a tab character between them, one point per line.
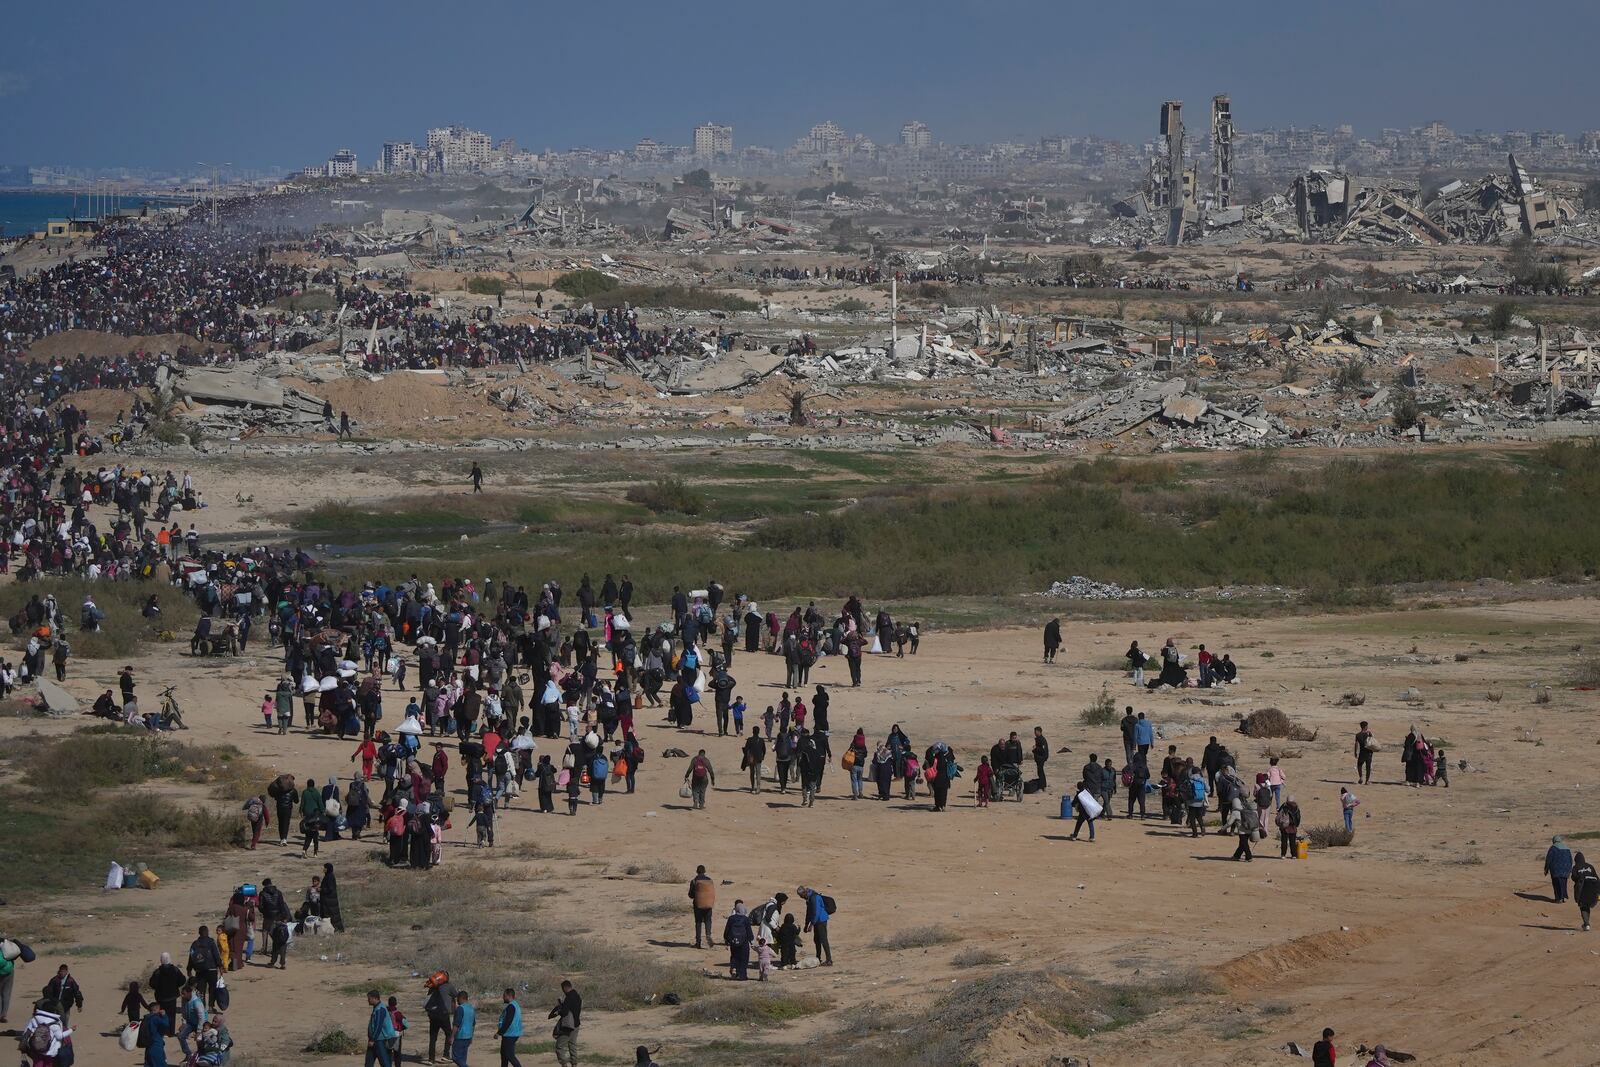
1008	783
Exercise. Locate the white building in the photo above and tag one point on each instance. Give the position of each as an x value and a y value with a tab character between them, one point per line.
342	164
916	136
399	157
457	148
825	138
712	140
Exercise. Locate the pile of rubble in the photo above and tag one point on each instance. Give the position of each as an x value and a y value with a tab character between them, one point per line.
1080	588
231	400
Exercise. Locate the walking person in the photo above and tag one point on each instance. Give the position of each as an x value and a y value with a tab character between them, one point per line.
463	1023
703	898
1085	803
1288	823
755	754
380	1031
1041	754
1248	826
1197	803
1366	745
509	1029
1348	804
440	1006
699	777
736	935
1052	640
568	1014
1585	887
1558	865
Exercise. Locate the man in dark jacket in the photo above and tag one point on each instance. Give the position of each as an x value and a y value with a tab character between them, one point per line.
1210	761
1091	778
1052	639
64	990
166	980
205	962
568	1014
1041	753
755	754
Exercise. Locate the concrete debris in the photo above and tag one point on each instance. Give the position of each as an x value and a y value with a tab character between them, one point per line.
1078	587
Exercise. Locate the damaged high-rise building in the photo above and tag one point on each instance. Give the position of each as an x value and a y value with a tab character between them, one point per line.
1221	151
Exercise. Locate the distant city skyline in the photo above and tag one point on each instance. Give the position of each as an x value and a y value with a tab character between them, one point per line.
203	83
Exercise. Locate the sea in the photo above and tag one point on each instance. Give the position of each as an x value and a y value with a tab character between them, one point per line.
25	212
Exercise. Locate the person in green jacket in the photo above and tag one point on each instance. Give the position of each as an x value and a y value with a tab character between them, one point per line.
380	1031
311	812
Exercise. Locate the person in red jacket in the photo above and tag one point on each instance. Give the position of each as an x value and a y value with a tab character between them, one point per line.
367	752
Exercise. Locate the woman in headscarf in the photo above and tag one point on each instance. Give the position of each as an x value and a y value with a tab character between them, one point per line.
937	760
1408	752
883	770
1380	1057
357	812
394	829
330	898
1558	864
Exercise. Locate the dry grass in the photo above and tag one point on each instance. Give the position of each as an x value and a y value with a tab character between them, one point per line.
917	937
757	1007
1586	675
516	940
977	957
1328	836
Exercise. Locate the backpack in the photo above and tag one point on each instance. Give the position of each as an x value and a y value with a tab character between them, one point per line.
698	769
37	1041
829	905
1127	777
599	768
1197	790
254	810
143	1040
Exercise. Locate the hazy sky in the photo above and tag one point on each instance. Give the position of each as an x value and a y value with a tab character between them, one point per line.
167	83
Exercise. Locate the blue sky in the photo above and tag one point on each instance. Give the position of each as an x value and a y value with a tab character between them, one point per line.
166	83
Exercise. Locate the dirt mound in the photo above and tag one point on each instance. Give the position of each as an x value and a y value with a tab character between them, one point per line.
1265	966
1272	722
69	343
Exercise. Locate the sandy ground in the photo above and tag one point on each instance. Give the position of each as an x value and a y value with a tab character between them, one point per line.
1433	933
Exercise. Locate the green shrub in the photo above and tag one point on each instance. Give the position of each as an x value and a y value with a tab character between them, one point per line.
333	1041
668	495
585	284
1406	411
756	1007
1350	376
486	285
1500	316
1102	711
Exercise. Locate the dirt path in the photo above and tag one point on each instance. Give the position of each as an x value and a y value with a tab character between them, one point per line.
1414	936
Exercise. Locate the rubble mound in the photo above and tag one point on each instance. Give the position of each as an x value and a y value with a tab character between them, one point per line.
1078	587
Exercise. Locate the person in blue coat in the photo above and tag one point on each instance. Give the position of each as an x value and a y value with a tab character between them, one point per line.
1144	734
380	1032
1558	865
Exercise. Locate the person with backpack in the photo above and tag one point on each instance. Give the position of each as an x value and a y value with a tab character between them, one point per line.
204	964
1585	886
599	768
255	816
45	1035
702	897
819	909
1288	823
699	777
1197	803
810	762
153	1031
1249	825
722	684
285	797
736	935
754	755
1135	777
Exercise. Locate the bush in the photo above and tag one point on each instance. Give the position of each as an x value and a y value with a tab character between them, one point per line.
976	957
1328	836
585	284
1405	411
668	495
1586	675
1350	377
333	1041
1272	722
851	304
1102	711
1500	316
485	285
681	298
